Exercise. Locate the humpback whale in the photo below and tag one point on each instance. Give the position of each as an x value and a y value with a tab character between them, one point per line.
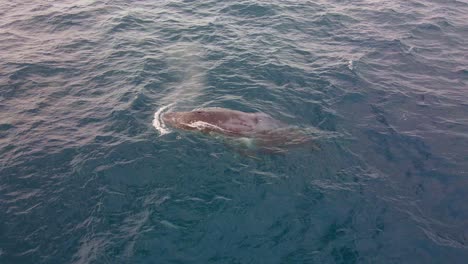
255	129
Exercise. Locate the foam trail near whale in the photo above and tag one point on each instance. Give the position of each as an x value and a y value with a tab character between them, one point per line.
158	123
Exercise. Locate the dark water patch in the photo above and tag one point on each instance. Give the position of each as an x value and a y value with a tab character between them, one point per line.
333	21
427	28
130	22
6	127
282	74
158	68
249	10
68	21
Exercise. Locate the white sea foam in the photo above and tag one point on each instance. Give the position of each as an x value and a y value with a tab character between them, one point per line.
158	123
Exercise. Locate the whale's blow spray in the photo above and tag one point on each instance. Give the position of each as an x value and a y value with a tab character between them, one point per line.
185	63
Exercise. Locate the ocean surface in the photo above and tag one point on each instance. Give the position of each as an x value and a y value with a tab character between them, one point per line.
89	174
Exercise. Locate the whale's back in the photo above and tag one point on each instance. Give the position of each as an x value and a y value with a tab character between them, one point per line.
259	129
224	121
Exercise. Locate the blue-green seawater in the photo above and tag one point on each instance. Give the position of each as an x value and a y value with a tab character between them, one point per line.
85	177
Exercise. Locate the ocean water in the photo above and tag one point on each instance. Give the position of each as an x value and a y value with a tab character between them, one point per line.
88	175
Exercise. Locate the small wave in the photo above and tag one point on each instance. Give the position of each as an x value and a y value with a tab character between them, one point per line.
158	123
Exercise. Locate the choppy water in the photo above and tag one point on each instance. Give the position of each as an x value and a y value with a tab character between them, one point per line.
86	178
